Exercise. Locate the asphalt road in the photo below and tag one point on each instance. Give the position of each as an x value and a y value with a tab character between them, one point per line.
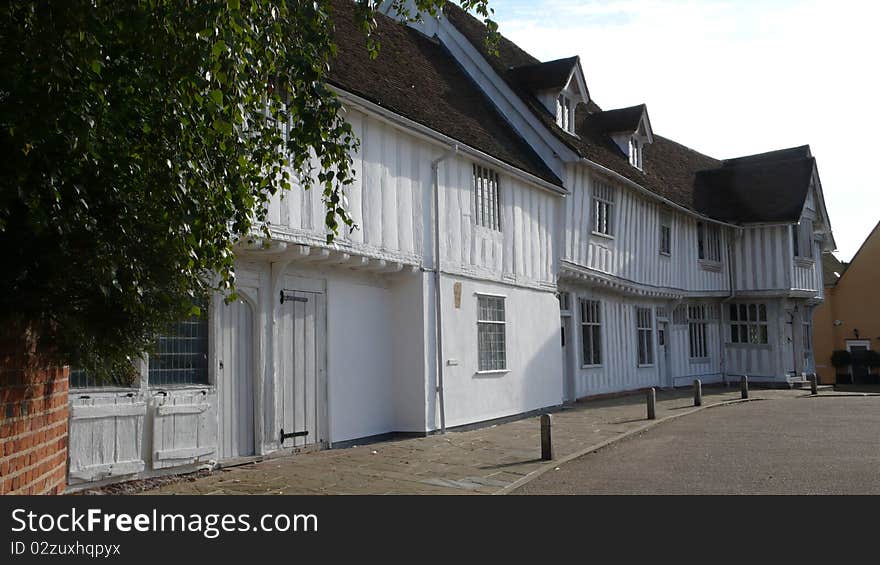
803	445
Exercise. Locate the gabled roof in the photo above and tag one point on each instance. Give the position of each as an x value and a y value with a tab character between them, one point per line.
545	76
771	187
830	266
668	167
767	187
619	120
417	78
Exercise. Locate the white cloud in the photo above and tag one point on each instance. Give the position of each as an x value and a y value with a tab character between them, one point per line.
733	78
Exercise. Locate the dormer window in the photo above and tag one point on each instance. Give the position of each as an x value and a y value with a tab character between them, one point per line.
635	152
564	117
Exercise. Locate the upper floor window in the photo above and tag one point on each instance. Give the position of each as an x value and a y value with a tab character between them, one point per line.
564	114
487	207
603	209
708	242
748	323
665	234
491	334
635	152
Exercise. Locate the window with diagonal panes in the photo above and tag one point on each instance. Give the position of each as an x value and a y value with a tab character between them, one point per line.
491	333
748	323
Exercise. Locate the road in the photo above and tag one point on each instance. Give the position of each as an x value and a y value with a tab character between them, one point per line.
819	445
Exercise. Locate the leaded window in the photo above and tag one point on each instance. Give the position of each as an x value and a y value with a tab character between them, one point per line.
708	242
181	354
491	339
487	204
698	343
603	209
645	335
591	332
748	323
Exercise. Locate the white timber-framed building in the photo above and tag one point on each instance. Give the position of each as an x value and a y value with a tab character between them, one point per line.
576	253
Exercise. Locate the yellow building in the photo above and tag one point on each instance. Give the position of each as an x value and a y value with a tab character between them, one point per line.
849	318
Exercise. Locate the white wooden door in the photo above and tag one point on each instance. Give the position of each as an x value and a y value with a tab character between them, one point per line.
302	350
235	380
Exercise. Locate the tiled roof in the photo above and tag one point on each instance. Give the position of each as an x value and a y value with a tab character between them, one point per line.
416	77
755	190
543	76
766	187
621	119
831	265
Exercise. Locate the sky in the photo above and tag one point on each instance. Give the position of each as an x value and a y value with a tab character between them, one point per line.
733	78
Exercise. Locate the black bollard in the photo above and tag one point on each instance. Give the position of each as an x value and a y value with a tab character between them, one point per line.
546	441
651	398
744	386
698	392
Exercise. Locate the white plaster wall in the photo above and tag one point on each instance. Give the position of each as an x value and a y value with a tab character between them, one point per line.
411	338
359	358
534	356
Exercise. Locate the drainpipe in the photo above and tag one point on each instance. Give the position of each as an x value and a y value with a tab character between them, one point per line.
438	319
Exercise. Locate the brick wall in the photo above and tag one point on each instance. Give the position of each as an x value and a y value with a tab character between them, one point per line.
33	426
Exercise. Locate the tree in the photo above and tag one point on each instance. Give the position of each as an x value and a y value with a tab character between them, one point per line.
141	141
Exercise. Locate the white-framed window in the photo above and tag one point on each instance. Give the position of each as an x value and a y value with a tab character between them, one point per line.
487	201
665	234
708	242
698	342
645	335
635	152
591	332
748	324
564	117
603	209
491	333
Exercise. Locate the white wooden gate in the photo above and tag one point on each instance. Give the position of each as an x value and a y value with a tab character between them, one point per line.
106	430
184	428
235	380
302	355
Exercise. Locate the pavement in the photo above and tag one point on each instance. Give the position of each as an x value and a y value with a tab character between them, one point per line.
491	460
824	445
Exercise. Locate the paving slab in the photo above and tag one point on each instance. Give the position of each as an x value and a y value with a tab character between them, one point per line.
490	460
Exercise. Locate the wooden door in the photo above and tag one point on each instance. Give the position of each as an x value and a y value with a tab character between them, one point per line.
303	384
235	380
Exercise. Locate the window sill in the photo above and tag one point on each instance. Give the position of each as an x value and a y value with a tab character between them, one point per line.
749	345
804	262
700	360
709	265
591	366
602	235
646	366
493	372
